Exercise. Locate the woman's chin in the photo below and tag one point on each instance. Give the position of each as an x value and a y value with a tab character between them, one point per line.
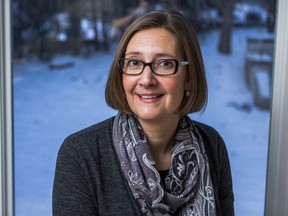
148	116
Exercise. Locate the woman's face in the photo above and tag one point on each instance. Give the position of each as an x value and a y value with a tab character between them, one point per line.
153	97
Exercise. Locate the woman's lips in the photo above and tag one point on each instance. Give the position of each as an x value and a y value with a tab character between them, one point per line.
149	98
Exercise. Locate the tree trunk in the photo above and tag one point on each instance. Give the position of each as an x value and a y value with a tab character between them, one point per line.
226	8
224	45
271	16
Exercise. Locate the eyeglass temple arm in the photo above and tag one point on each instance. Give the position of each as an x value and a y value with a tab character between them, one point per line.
184	63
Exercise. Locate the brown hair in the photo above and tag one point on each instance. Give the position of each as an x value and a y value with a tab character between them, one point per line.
187	40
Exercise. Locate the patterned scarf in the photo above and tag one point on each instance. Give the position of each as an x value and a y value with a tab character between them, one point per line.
188	185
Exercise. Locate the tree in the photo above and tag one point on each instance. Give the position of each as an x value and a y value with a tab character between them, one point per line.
271	15
226	8
31	15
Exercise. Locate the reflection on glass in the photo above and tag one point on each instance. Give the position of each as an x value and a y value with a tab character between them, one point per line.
62	54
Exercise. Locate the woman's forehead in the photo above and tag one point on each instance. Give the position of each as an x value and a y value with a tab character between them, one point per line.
154	40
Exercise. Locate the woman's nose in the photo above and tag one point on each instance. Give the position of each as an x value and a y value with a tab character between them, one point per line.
147	77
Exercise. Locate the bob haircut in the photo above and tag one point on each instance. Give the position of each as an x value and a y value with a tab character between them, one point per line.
182	29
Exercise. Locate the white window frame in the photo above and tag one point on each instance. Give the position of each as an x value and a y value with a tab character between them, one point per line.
277	174
6	145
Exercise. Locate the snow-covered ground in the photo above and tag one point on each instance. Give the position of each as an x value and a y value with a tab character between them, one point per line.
51	104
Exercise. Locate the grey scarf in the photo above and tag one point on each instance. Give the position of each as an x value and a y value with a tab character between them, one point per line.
188	185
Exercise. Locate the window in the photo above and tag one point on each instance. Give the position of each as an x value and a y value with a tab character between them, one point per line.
58	89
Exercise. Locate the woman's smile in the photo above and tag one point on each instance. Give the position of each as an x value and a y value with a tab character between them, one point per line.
145	98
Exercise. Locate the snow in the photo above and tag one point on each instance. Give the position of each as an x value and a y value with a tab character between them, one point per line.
263	79
256	57
243	10
87	28
51	104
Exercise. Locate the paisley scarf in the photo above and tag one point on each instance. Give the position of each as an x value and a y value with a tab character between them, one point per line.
187	187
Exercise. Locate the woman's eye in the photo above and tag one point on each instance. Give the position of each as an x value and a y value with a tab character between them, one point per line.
165	63
134	63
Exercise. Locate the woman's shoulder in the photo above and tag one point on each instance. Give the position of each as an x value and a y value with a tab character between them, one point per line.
97	130
207	131
213	141
90	137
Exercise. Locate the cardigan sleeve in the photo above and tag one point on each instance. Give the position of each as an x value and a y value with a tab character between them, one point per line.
219	168
225	190
71	193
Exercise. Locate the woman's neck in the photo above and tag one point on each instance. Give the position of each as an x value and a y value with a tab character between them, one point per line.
160	136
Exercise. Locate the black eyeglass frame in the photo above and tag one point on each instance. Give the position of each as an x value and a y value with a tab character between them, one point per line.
121	64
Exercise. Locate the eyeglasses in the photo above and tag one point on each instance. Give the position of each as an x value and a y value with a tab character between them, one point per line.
161	67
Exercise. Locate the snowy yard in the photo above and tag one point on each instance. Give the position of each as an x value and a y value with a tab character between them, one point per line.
51	104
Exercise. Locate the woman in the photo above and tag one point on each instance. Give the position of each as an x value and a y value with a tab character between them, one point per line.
151	158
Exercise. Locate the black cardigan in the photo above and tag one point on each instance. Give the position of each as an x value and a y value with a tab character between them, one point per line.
88	180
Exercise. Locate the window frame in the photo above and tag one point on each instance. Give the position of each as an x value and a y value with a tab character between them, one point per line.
277	171
6	111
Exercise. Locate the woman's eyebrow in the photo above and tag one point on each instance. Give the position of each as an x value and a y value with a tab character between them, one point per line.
157	55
